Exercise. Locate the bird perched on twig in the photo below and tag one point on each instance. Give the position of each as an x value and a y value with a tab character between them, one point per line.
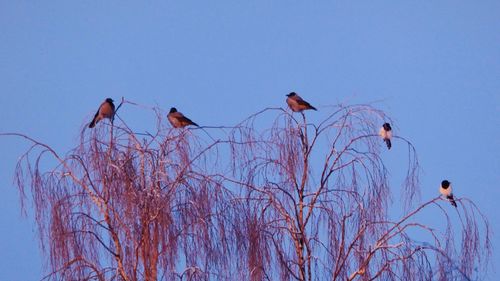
106	110
386	134
445	190
297	104
178	120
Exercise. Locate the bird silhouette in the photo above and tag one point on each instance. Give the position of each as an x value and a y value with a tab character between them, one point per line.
297	104
106	110
386	134
178	120
445	190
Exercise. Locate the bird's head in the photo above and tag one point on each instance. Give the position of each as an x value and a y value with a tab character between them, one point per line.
445	184
109	100
291	94
173	109
387	126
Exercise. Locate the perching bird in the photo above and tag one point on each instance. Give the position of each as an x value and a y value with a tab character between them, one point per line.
106	110
386	134
297	104
178	120
445	190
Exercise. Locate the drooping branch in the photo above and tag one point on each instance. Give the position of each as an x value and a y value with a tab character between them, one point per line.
292	201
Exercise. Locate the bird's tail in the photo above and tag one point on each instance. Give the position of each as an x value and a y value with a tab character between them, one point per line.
95	120
388	142
192	123
92	124
452	201
312	107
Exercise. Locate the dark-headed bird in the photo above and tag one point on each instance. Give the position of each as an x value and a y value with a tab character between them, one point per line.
106	110
386	134
297	104
445	190
178	120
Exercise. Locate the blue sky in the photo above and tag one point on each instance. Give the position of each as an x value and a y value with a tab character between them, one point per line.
434	66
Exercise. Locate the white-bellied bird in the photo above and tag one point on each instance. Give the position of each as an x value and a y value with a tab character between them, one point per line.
386	134
445	190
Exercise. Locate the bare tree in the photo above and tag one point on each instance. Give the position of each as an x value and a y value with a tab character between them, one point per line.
292	201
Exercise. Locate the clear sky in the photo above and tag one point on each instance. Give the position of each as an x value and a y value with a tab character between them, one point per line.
434	66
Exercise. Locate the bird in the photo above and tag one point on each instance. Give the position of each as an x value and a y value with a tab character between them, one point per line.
297	104
106	110
386	134
178	120
445	190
